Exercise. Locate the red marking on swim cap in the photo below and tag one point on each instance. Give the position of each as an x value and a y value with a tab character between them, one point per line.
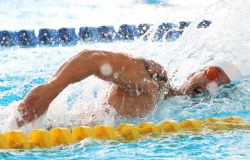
212	73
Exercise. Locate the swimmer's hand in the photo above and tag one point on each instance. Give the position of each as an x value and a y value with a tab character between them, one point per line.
35	104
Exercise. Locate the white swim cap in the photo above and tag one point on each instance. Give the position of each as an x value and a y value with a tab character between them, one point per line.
230	69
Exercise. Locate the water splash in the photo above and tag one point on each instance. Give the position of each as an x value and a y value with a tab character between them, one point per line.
227	38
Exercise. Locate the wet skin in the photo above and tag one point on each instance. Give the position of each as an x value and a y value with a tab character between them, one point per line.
134	93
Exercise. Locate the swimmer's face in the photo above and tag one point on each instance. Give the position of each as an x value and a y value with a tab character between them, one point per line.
198	81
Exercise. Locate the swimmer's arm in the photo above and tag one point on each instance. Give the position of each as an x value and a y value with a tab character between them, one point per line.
77	68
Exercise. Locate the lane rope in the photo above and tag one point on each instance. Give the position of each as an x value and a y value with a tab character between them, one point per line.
67	36
41	138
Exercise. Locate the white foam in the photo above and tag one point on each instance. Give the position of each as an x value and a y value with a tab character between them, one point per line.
227	38
213	87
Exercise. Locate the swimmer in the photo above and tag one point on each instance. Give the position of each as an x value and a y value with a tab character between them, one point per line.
138	84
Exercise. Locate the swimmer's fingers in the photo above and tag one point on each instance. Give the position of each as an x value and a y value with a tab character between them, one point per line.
24	119
26	114
21	118
19	122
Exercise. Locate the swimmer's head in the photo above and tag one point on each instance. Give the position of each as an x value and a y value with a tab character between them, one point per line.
209	78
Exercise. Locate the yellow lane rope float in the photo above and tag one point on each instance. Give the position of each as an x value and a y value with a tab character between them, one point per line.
41	138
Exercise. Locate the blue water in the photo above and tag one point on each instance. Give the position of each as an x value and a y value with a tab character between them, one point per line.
227	38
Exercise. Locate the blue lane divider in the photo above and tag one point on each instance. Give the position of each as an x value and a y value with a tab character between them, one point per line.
88	34
106	34
127	32
204	24
26	38
142	29
172	35
7	38
68	36
48	37
162	30
183	24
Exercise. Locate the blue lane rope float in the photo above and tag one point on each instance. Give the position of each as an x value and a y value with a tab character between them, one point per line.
41	138
48	37
68	36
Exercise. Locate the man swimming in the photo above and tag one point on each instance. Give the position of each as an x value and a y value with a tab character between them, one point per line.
138	84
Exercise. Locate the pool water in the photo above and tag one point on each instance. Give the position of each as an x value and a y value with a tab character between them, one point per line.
226	39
